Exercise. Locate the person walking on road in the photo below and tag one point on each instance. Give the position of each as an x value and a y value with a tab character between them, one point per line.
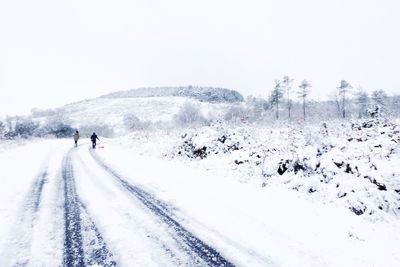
76	138
94	138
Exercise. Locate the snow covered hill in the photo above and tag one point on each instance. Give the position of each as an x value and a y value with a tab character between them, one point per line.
112	110
145	104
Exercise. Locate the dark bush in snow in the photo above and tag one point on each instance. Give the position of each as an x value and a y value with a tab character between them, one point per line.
25	128
374	111
57	129
189	149
200	145
283	167
57	126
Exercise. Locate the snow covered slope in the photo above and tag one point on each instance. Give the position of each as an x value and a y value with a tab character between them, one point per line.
111	110
147	104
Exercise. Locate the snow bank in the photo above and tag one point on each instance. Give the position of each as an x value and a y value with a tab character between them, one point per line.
350	164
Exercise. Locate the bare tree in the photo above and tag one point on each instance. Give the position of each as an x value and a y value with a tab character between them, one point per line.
344	89
133	123
236	113
380	98
287	86
303	94
276	96
189	114
395	104
362	102
2	129
10	121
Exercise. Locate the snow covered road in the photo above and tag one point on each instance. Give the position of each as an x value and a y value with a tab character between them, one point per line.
137	225
175	244
110	207
194	246
77	224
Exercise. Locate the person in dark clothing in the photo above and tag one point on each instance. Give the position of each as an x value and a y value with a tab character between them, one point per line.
94	138
76	138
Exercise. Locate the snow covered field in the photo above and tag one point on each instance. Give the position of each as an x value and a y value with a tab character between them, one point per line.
254	196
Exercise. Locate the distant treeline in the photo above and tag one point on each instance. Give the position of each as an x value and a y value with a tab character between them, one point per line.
205	94
290	101
25	127
57	125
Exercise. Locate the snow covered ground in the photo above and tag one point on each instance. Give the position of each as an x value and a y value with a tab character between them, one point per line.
256	226
30	205
161	199
111	111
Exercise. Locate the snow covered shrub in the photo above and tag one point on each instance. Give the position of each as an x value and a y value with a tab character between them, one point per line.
133	123
236	113
324	129
58	129
2	129
190	149
256	108
189	114
355	168
210	141
353	164
25	127
57	126
374	111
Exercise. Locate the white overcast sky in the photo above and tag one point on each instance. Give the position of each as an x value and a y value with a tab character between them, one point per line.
56	52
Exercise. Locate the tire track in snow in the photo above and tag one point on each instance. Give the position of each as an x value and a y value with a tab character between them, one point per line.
73	246
203	251
174	255
38	189
98	254
83	244
21	239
